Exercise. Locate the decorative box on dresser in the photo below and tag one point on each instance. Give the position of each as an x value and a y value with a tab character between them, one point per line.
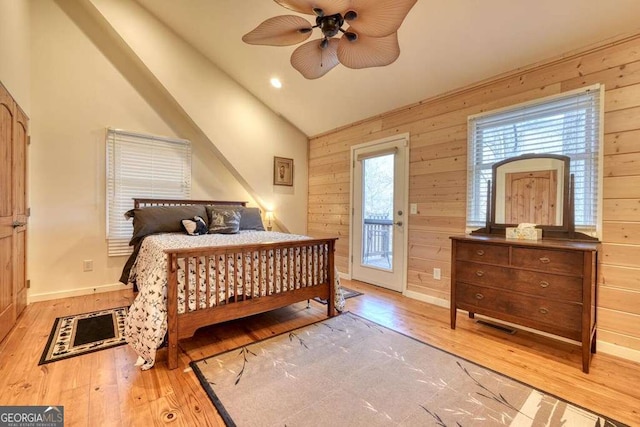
546	285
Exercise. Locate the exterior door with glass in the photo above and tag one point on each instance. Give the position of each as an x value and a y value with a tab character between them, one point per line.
379	220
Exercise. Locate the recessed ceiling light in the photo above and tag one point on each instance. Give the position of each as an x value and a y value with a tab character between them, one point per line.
275	82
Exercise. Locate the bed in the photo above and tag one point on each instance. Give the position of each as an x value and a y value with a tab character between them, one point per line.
186	282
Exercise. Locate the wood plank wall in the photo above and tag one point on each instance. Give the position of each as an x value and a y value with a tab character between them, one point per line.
438	145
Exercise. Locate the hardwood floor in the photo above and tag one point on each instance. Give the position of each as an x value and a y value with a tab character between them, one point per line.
104	388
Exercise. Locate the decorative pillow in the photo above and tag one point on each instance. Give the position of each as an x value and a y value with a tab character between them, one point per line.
212	210
162	219
251	219
195	226
224	221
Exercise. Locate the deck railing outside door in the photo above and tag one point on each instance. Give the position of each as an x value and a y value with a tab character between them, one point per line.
377	235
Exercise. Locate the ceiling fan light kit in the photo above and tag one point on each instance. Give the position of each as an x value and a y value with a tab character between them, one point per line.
371	40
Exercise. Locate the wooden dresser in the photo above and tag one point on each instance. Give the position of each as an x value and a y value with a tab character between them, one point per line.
547	285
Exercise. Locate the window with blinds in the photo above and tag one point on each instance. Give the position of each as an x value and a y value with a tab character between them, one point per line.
141	166
567	124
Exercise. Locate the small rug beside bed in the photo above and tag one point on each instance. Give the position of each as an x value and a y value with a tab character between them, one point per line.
347	370
85	333
347	292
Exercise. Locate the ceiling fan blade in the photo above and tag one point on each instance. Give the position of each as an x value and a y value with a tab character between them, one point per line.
282	30
329	7
368	51
312	61
379	18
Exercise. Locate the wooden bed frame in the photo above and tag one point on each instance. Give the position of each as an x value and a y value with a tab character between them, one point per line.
184	325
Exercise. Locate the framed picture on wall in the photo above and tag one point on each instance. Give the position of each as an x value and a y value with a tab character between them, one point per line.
282	171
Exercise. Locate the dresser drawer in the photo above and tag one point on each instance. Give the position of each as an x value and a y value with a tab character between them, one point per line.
557	314
551	261
482	274
552	286
482	252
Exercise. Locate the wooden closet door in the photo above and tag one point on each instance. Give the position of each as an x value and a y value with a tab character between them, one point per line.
13	211
20	142
7	262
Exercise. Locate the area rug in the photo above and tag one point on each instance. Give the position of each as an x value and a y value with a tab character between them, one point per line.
350	371
84	333
347	292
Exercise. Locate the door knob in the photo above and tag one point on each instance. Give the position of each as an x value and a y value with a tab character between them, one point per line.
399	223
16	224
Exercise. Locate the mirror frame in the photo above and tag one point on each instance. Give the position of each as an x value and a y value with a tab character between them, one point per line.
564	231
566	161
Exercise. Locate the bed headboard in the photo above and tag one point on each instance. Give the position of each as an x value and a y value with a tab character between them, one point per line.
141	203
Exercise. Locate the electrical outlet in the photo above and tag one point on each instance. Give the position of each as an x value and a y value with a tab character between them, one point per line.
436	273
413	208
87	265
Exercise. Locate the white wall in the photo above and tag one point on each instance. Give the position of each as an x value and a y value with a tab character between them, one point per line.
14	50
76	93
243	129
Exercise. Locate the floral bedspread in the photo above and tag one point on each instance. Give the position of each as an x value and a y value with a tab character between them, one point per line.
146	324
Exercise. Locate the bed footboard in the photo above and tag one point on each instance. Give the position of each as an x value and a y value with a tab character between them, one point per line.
216	284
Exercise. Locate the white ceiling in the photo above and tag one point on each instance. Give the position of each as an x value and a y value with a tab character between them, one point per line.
445	44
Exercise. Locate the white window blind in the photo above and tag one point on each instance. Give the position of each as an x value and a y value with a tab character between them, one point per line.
140	166
567	124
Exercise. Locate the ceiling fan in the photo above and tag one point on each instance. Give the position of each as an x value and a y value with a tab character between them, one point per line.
371	40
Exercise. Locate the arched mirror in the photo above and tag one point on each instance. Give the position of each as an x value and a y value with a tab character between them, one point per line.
534	189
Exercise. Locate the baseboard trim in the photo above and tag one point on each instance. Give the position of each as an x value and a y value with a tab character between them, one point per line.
602	346
618	351
47	296
345	276
427	298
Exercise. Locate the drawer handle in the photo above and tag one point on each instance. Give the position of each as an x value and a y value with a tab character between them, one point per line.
480	252
543	310
544	284
479	273
545	260
479	296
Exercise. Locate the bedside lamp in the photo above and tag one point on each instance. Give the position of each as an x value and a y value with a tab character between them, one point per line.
269	217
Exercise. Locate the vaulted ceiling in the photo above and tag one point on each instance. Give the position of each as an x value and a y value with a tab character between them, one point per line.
445	44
